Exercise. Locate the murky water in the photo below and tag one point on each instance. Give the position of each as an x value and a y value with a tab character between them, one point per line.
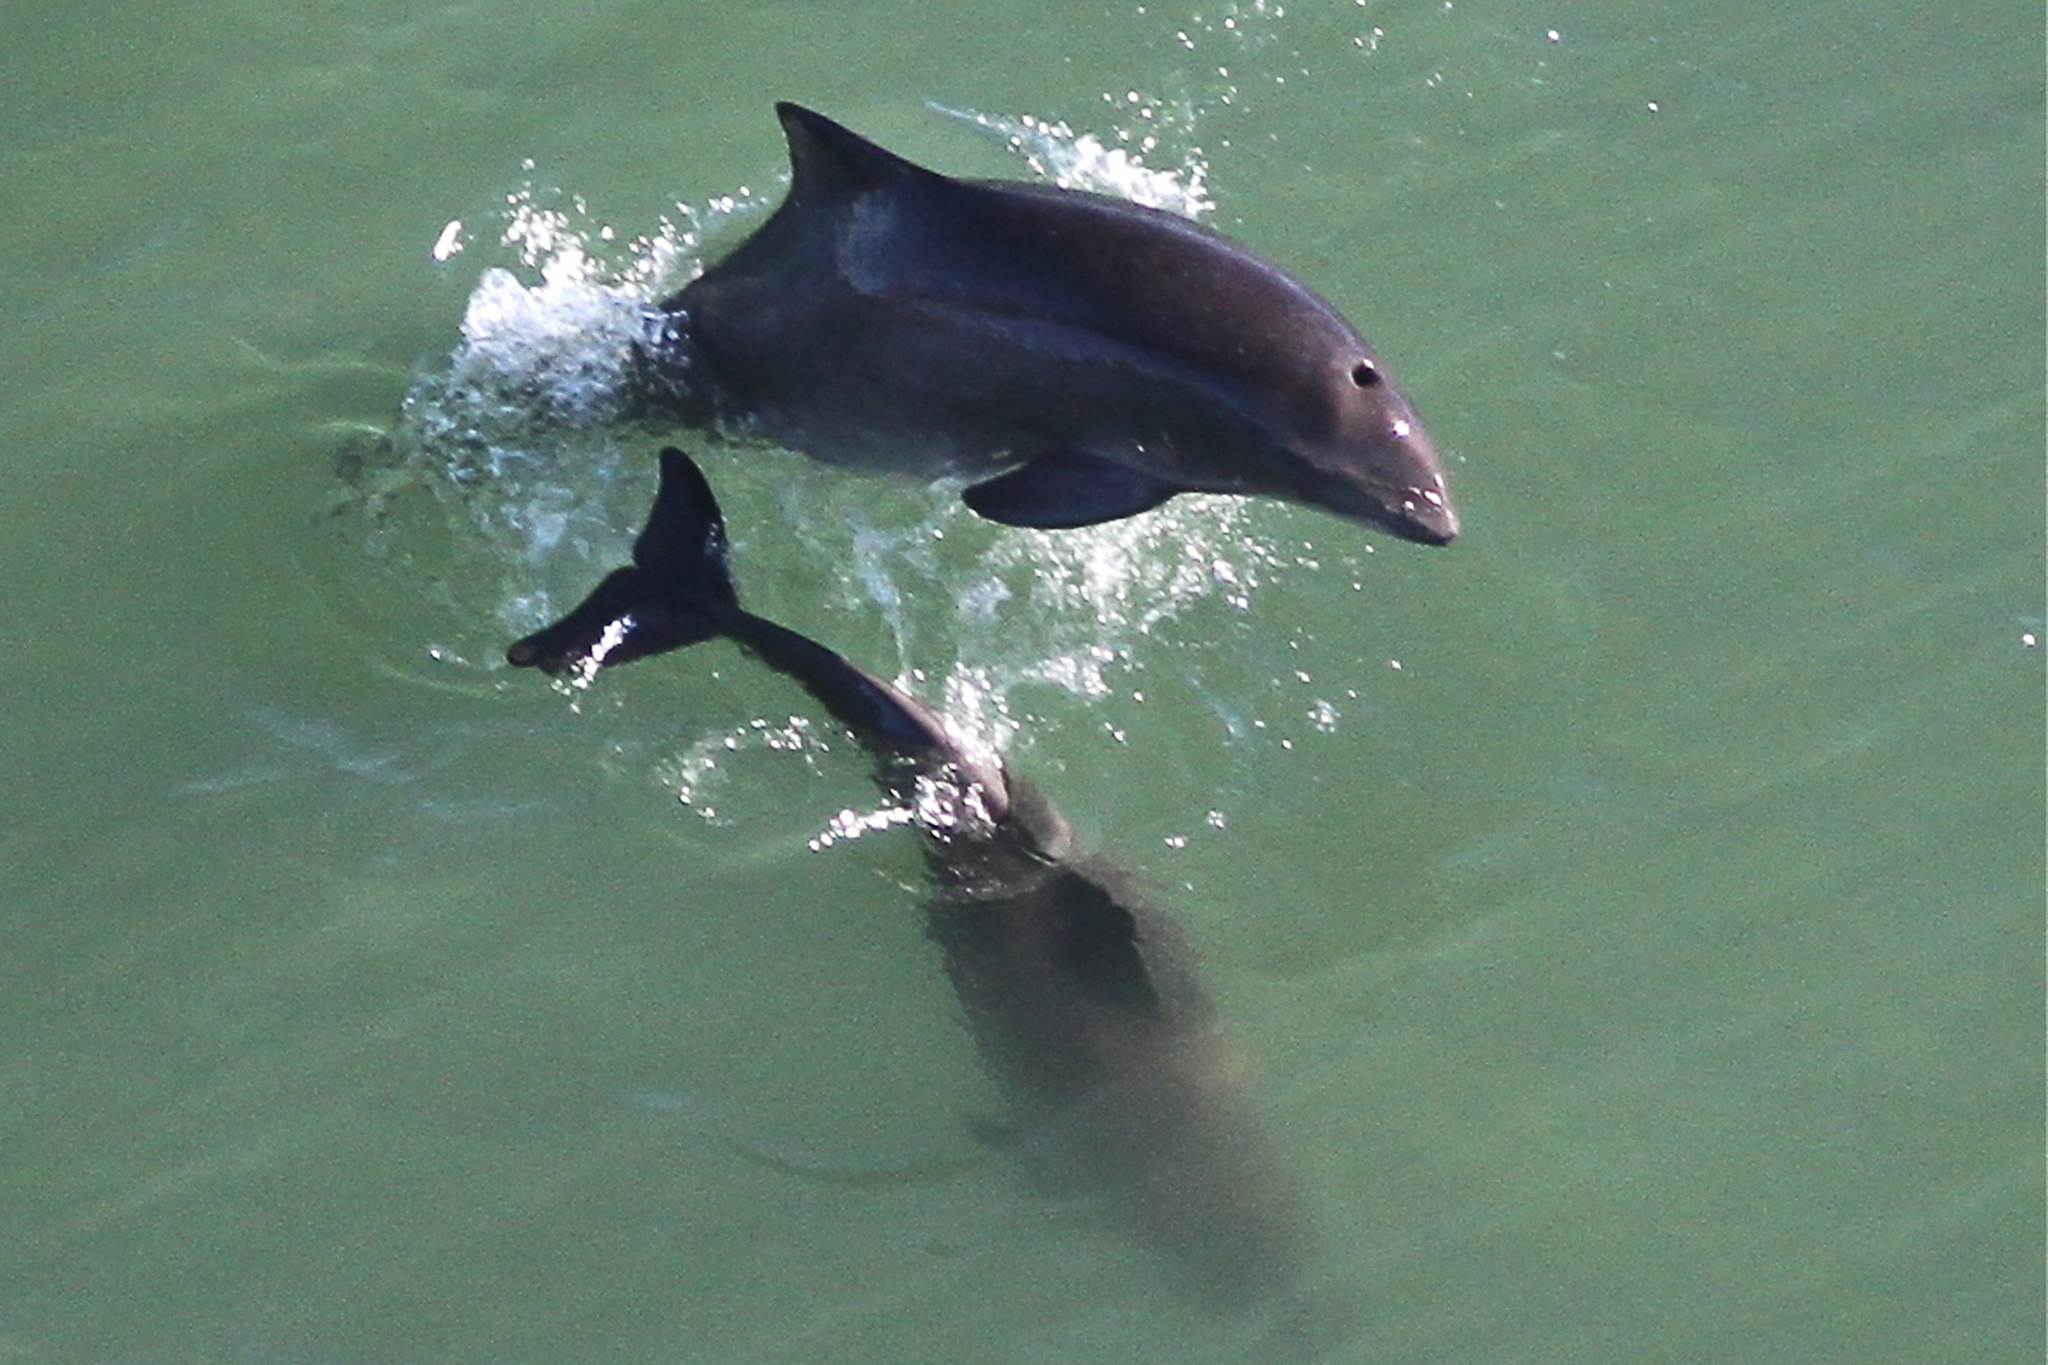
1633	913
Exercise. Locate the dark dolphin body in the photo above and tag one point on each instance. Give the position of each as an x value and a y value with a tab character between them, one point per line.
1110	1056
1083	357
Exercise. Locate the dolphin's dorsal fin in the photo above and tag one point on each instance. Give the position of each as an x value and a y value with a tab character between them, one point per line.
828	159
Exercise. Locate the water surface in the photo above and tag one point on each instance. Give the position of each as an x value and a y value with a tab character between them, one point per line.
1635	909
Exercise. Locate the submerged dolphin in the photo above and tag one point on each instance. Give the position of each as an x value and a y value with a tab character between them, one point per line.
1083	357
1079	994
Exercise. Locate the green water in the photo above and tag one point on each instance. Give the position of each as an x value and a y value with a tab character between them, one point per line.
1635	910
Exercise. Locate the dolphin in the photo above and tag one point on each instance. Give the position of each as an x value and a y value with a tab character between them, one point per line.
1119	1078
1077	357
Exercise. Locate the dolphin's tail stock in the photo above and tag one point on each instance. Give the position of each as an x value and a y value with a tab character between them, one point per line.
678	591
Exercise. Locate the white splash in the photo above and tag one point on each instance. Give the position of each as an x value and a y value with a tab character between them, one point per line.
1083	161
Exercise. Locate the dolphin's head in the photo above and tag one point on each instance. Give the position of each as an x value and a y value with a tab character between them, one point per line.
1367	455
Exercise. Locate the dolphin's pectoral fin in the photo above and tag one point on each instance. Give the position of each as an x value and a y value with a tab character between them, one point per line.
998	1135
1035	1147
1066	488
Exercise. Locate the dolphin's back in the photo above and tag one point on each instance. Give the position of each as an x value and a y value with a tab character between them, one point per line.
1117	1074
1111	276
1133	278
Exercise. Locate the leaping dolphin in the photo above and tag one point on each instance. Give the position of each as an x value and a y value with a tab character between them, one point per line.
1082	358
1079	993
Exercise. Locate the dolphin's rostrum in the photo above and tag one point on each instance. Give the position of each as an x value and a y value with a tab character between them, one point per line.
1080	358
1079	993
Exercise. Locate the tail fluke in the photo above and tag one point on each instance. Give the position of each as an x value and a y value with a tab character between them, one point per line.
677	591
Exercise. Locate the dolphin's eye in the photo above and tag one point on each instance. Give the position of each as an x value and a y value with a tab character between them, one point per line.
1365	374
